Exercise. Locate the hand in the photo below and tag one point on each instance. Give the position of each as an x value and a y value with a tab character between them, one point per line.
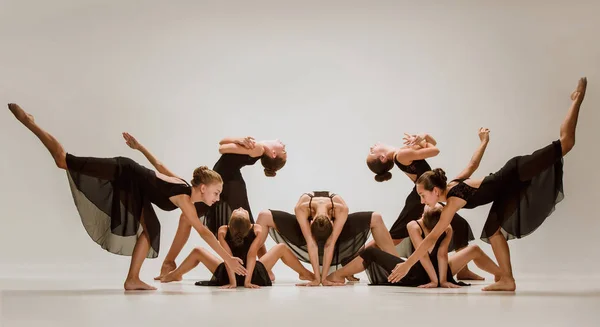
579	93
412	139
315	282
484	134
429	285
250	285
448	285
131	141
247	142
233	285
327	282
236	265
398	273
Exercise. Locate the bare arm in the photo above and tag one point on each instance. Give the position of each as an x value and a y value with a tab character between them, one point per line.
476	158
301	210
448	212
442	257
341	216
414	232
160	167
184	202
221	237
252	253
415	153
256	151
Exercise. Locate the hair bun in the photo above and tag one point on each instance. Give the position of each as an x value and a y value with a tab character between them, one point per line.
383	177
270	172
441	174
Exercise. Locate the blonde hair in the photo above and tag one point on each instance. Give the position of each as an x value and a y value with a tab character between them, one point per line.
203	175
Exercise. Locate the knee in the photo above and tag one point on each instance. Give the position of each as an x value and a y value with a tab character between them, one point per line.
198	252
264	217
279	248
376	219
474	248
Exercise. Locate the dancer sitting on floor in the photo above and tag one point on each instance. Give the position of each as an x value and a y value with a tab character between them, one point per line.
433	270
411	160
236	153
114	197
242	239
523	193
322	232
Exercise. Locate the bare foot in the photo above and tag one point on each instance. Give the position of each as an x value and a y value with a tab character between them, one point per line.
171	277
579	93
166	268
137	285
504	284
307	276
466	274
352	279
272	276
20	114
335	278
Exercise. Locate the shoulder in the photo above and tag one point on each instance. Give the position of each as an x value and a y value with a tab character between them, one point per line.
257	229
223	230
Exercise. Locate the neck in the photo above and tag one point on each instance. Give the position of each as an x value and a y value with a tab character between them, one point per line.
196	195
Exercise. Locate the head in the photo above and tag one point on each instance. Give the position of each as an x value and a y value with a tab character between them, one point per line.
209	183
320	228
274	157
239	226
431	185
431	215
379	162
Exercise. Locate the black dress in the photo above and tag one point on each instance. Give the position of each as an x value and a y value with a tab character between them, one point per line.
523	193
413	209
113	194
234	194
260	276
377	260
351	240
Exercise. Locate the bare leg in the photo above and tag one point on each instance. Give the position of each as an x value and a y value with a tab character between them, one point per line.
198	255
464	273
381	235
502	254
265	220
473	253
354	267
140	251
280	251
53	146
567	128
181	236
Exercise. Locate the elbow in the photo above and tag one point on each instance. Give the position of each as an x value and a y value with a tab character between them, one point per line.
221	149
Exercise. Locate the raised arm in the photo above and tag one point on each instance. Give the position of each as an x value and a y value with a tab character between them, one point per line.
184	202
241	145
133	143
448	212
442	257
221	237
414	232
302	212
341	216
484	137
418	147
252	253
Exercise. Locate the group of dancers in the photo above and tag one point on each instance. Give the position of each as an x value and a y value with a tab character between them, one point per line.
115	198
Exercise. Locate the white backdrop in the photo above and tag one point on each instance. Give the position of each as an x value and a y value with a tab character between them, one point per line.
329	79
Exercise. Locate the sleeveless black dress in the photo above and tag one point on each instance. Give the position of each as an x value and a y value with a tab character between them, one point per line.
413	209
523	193
234	194
351	240
113	194
260	276
378	260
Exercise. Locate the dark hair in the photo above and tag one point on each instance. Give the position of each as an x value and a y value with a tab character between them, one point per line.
203	175
272	165
239	227
381	169
433	178
321	228
431	217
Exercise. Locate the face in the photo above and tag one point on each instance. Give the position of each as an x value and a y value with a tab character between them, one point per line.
278	149
241	212
377	151
429	198
211	193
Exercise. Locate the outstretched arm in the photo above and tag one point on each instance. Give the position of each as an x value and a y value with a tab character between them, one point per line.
452	206
414	232
241	145
184	202
442	257
341	216
252	253
302	211
221	237
134	144
484	137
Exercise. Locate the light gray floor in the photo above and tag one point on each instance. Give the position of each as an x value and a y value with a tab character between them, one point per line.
537	302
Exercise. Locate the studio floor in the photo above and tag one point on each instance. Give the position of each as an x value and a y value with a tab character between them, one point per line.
101	302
